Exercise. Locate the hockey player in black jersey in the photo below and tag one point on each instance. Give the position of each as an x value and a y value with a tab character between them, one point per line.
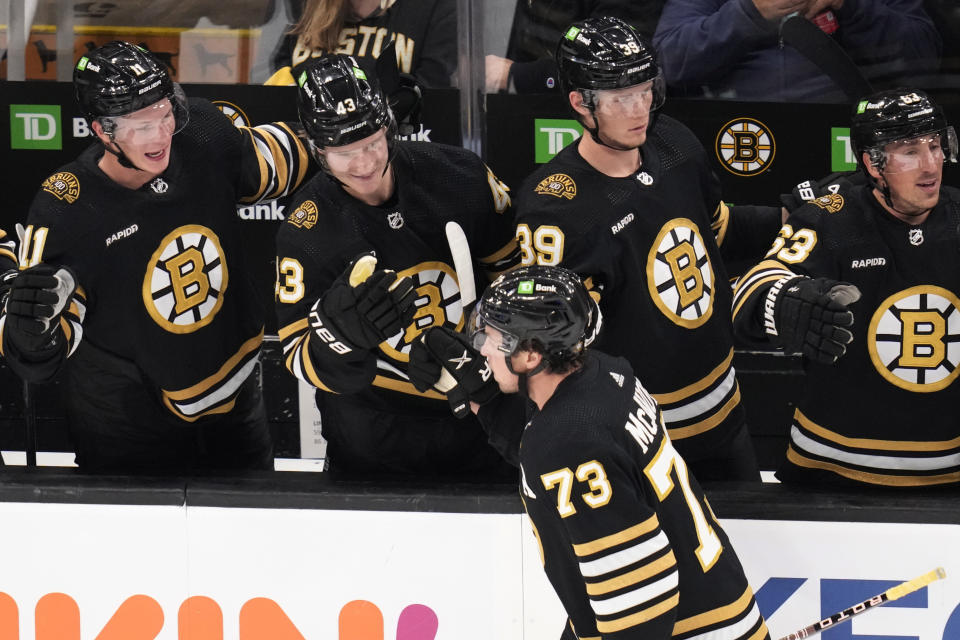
392	199
135	279
864	280
626	535
635	209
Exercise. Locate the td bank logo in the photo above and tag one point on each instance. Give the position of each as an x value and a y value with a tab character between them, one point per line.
552	135
35	126
841	151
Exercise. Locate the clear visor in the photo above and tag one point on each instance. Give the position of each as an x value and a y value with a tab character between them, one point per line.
925	152
478	336
636	100
160	120
340	158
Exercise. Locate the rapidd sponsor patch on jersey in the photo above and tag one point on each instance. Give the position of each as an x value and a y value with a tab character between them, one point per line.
830	203
64	185
559	185
304	216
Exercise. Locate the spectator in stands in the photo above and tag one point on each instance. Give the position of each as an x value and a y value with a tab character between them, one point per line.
864	281
530	66
135	280
351	337
424	33
733	48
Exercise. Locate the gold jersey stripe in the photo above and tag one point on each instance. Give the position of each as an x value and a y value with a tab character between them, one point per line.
721	221
204	385
279	164
262	164
307	364
760	633
619	624
705	425
303	160
224	408
405	387
740	295
707	381
6	253
633	577
867	443
630	533
873	478
707	618
292	328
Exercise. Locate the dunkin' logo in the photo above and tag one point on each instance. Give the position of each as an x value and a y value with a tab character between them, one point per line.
141	617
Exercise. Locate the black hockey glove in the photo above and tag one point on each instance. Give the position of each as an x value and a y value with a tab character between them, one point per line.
363	307
446	361
35	300
810	316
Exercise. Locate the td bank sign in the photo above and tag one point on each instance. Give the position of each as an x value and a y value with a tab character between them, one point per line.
550	136
35	126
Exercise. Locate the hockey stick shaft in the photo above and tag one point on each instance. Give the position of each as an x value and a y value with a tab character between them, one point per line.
889	595
825	52
462	263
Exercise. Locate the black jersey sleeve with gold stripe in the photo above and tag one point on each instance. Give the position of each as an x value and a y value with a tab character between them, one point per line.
498	250
275	161
796	250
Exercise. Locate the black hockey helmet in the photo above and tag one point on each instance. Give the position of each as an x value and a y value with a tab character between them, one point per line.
606	53
120	78
546	304
339	103
897	114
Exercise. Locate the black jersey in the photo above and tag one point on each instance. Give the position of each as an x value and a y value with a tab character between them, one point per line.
163	281
647	248
885	412
627	537
328	228
425	33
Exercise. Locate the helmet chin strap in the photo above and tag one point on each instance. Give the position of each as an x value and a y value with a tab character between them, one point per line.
121	156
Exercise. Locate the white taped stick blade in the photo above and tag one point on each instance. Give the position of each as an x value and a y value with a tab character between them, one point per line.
462	262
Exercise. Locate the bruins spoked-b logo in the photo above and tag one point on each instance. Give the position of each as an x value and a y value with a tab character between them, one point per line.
745	147
914	338
232	111
186	279
679	274
437	304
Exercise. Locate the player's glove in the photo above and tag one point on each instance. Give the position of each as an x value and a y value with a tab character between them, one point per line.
810	316
363	307
35	300
445	360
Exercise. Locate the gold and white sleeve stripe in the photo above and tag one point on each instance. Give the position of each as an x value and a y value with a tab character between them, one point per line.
630	576
282	160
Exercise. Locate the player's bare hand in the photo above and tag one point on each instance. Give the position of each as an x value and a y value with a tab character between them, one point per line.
776	9
497	73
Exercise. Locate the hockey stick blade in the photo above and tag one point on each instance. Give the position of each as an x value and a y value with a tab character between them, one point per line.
890	594
462	262
825	52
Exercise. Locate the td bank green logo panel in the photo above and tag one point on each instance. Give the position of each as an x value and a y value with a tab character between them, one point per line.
841	151
35	126
552	135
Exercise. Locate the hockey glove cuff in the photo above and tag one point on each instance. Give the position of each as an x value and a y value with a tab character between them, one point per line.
35	301
810	316
363	307
464	375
